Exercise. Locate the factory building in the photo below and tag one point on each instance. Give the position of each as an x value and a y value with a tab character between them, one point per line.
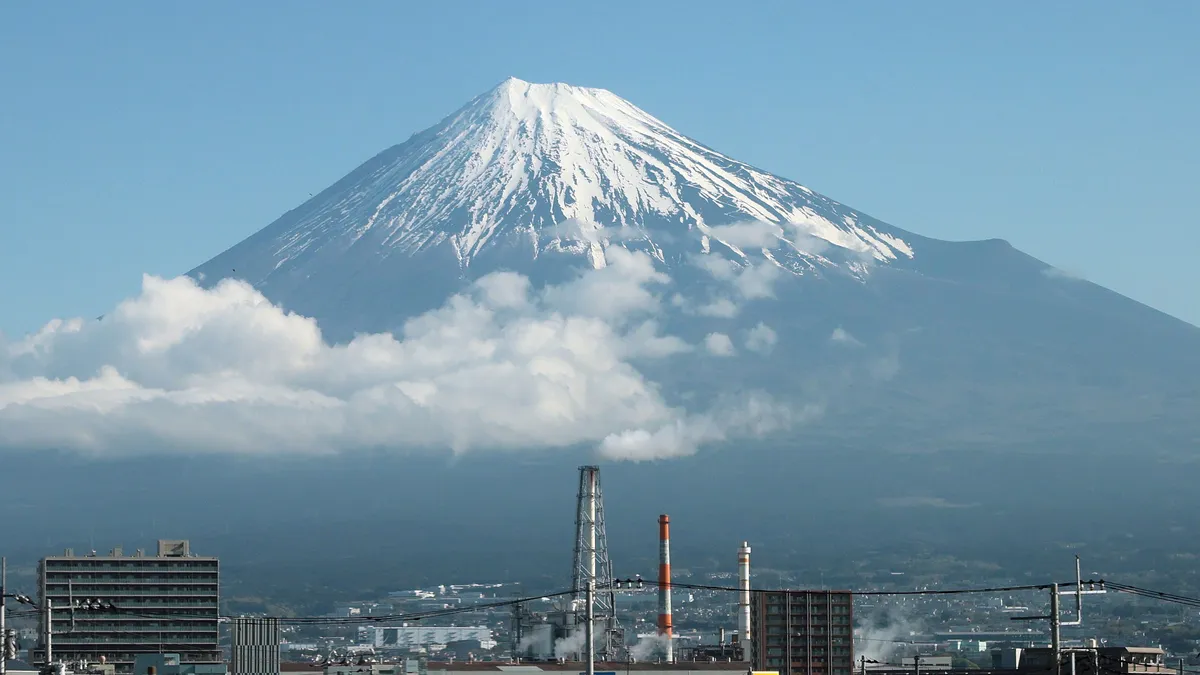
411	637
115	607
803	632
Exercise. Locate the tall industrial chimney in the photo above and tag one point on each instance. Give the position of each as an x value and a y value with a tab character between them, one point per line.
744	599
664	584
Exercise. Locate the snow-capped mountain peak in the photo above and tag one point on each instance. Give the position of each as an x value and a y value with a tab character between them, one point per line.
525	170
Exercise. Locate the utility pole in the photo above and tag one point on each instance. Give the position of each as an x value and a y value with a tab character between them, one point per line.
917	663
8	637
1055	629
3	625
1055	617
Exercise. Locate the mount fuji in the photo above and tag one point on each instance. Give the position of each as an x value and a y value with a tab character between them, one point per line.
929	344
538	178
942	393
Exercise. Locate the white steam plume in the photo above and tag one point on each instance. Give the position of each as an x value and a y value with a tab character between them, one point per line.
883	634
649	648
572	646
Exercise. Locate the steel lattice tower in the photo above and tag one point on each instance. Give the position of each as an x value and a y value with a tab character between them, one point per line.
610	642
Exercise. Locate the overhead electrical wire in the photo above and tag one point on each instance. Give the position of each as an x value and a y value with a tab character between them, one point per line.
629	584
955	591
1155	595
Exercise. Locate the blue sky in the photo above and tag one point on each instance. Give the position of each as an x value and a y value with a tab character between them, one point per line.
148	137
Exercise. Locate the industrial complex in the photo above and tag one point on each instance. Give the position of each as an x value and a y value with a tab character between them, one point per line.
159	613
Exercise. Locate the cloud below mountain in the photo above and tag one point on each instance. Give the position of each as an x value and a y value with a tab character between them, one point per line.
502	366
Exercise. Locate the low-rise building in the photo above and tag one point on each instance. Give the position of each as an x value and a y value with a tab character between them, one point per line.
170	664
412	637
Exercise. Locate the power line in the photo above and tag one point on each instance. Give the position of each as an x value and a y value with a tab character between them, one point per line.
317	620
957	591
1156	595
629	584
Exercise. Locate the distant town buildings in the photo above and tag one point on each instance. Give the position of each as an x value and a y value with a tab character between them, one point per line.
803	632
411	637
170	664
115	607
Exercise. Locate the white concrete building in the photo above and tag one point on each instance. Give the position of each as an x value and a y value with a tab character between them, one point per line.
401	637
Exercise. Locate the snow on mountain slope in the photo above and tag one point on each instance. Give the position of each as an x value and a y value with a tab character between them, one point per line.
536	168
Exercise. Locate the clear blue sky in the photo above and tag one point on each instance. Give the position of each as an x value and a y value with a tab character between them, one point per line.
148	137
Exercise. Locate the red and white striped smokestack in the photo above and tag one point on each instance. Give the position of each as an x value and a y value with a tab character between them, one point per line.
665	628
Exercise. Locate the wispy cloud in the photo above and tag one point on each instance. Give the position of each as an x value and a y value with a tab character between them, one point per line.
916	502
749	235
1058	273
761	339
842	336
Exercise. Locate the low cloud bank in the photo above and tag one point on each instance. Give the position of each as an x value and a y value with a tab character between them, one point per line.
501	367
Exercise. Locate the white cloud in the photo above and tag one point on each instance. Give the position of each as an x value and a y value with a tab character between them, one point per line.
758	281
577	229
922	502
505	289
842	336
761	339
721	308
502	366
751	234
624	287
675	439
749	282
809	243
718	266
719	344
751	415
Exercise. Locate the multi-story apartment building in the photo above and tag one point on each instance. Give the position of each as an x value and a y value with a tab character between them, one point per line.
115	607
803	632
254	645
